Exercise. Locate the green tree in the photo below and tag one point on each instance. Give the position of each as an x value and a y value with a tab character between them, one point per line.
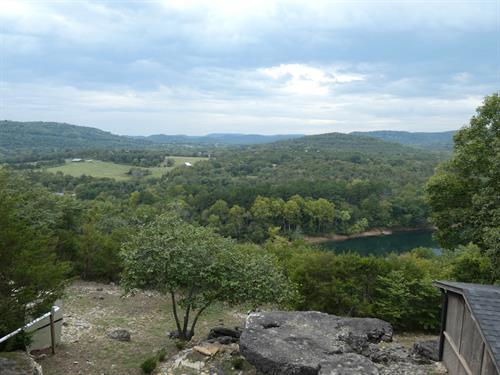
31	278
197	268
236	217
320	211
291	213
464	193
469	264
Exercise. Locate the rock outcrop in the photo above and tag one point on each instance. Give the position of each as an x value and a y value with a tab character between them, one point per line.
18	363
314	343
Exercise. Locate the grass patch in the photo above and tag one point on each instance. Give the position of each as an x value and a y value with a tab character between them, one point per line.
104	169
86	347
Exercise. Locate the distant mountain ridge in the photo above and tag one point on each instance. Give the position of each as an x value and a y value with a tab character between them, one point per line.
222	138
38	136
433	140
18	136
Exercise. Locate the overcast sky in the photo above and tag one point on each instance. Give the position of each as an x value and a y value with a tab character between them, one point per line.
258	66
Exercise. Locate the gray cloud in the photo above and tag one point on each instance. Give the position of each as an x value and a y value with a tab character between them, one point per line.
256	66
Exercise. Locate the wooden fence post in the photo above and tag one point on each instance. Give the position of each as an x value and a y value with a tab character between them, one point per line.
52	331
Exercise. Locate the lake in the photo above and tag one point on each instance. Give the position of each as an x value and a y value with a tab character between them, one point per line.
398	242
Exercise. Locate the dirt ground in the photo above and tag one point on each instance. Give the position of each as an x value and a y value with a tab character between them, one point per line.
91	310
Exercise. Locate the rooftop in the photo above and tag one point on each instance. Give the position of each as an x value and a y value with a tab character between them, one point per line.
484	304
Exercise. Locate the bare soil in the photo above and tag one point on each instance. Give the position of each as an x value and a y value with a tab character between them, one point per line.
91	310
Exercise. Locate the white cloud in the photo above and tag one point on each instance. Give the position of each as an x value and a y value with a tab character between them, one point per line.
306	80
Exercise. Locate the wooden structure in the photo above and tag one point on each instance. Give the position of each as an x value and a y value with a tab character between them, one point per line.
45	331
470	328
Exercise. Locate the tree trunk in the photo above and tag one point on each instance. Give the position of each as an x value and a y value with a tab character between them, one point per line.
186	314
174	309
195	320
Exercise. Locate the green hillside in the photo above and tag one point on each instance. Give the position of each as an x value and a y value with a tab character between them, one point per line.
41	136
371	183
442	141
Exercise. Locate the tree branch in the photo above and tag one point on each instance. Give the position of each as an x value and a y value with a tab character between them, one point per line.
198	313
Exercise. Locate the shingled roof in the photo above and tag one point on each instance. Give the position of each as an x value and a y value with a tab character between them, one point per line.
484	304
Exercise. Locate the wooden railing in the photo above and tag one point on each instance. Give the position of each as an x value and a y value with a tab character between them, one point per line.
30	324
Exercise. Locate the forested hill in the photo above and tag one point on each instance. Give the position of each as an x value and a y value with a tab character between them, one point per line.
432	140
372	183
222	138
40	136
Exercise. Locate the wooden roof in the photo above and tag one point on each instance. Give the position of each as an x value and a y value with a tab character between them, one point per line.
484	304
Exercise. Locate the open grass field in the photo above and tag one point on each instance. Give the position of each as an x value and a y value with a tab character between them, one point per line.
103	169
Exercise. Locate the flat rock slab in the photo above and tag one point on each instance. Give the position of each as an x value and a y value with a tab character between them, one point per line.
310	343
207	349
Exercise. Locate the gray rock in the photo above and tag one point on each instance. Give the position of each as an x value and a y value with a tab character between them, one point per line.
393	353
226	340
427	351
18	363
223	331
302	343
120	335
348	364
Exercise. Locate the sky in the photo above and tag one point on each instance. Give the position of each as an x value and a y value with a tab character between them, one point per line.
258	66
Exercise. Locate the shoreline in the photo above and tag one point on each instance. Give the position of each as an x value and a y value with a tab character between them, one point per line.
375	232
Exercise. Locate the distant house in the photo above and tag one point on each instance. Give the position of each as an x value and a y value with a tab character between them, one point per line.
76	160
470	328
188	164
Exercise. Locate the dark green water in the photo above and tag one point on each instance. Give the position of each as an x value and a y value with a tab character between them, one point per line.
379	245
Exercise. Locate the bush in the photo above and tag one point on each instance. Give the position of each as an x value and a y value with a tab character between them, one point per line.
238	363
161	354
149	365
180	344
396	288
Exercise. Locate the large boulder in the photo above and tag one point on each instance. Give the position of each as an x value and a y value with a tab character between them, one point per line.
303	343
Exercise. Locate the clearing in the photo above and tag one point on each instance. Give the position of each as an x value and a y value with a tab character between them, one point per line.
91	310
104	169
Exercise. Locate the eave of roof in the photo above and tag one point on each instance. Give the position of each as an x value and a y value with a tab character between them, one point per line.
484	303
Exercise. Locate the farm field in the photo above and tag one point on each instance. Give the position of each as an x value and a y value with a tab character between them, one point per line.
104	169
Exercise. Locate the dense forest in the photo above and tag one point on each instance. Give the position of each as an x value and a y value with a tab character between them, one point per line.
315	185
439	141
266	197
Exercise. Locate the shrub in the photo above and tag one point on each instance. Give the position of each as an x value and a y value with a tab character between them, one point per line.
161	354
149	365
180	344
237	363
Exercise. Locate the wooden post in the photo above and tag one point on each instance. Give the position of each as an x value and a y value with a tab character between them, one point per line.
52	331
444	313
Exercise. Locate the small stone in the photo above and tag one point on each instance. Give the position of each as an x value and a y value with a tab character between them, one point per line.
99	289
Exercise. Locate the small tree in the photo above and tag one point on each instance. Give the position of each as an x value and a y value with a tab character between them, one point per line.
196	267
